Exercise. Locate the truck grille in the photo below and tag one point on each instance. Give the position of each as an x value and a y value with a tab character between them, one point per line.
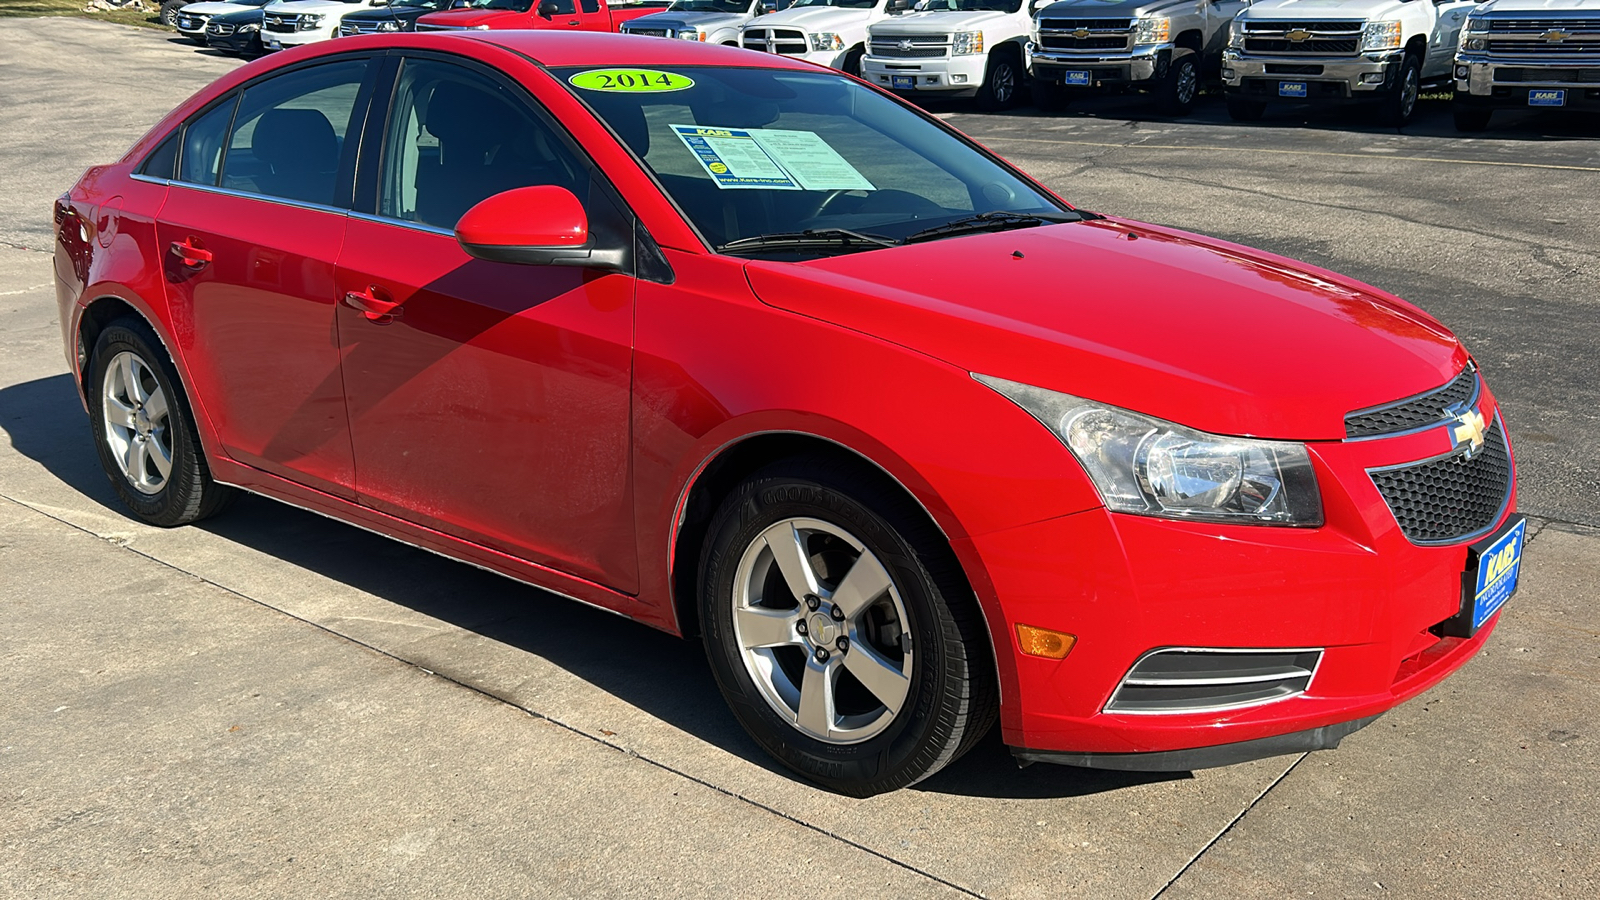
649	32
1188	680
1415	413
1517	75
348	28
785	41
1451	499
914	46
1568	47
1315	38
288	24
1085	35
1540	26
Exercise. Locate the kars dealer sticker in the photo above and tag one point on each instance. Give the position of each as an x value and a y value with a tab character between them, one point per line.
630	81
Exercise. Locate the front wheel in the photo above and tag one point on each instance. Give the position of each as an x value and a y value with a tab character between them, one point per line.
1002	81
852	62
169	12
841	631
1182	85
1397	108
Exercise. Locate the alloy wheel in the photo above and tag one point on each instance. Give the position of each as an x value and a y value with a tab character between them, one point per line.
1005	82
137	422
1188	84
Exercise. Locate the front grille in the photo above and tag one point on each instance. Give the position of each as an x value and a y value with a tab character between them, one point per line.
1182	680
348	28
1321	38
1070	44
1415	413
219	28
1309	47
1292	69
650	32
1516	75
1450	499
921	46
1567	47
1085	35
1540	26
785	41
192	22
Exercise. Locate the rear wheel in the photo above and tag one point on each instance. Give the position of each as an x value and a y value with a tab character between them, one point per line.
1472	119
144	431
841	631
169	12
1002	81
1243	109
1182	84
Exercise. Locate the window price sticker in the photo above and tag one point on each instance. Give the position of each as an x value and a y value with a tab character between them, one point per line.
770	158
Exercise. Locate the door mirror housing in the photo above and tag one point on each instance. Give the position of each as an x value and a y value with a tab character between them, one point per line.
534	226
548	9
899	6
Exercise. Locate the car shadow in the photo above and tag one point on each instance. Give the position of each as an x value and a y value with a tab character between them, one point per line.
665	676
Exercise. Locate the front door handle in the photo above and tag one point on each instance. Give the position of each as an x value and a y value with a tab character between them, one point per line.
575	22
195	257
374	304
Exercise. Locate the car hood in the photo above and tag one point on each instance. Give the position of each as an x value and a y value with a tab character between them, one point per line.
937	22
295	7
1110	9
814	18
687	20
1589	7
1319	10
213	9
466	18
1208	334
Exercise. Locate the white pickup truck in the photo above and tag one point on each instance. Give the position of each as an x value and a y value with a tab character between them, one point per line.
1338	51
953	48
829	33
1527	54
290	24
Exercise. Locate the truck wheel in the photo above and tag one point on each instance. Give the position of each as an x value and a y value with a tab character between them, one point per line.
1472	119
1242	109
1002	81
1051	96
169	12
840	629
852	62
1397	108
1182	84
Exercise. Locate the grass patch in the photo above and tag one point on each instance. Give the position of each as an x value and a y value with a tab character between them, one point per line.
33	8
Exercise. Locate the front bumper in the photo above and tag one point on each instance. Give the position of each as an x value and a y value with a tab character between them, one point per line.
1326	79
953	76
193	28
1144	64
277	40
1506	82
1373	603
238	42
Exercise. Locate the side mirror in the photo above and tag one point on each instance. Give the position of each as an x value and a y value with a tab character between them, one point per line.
898	6
533	226
548	9
459	4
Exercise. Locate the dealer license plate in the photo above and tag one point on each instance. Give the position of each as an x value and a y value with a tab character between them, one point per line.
1547	98
1497	568
271	44
1075	78
903	82
1291	89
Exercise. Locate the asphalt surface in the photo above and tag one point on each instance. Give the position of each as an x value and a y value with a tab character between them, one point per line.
275	704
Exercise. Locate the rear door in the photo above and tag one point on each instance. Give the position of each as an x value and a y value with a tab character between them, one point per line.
250	232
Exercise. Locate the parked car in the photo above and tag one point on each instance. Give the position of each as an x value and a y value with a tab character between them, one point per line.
830	33
707	21
290	23
952	48
1527	54
236	33
1164	47
736	345
573	15
1383	52
192	18
399	15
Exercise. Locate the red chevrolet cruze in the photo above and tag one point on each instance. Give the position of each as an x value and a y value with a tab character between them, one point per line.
736	345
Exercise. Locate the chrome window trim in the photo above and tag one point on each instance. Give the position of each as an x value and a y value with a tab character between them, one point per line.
1105	709
402	223
243	195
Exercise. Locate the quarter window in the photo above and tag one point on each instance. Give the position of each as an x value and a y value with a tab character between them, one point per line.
202	144
289	137
456	137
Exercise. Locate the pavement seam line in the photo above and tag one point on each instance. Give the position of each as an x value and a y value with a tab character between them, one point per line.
517	706
1229	827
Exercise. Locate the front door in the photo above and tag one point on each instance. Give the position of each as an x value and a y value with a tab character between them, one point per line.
492	403
250	232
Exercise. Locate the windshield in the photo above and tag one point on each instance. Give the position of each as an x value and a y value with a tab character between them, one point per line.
425	4
720	6
513	5
1005	6
842	4
748	152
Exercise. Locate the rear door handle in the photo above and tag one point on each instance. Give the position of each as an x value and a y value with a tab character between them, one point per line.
194	257
374	304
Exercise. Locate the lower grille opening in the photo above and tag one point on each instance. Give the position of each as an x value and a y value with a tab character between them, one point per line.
1192	680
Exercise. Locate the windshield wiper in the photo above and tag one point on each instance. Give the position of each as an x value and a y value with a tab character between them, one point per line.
811	237
999	220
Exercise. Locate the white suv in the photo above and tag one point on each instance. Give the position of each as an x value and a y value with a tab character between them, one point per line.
307	21
829	33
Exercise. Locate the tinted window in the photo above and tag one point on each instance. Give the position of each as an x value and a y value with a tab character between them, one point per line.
163	161
591	6
456	137
289	136
202	145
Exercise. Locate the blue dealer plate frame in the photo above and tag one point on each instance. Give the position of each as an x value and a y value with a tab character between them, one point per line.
1076	78
1292	89
1538	97
903	82
1494	565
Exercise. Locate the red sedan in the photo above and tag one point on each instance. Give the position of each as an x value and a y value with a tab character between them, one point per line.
737	346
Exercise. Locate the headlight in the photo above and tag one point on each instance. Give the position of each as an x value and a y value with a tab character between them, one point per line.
309	19
1152	31
827	40
256	27
388	26
1236	34
692	35
1474	26
1477	23
1380	36
1150	467
967	43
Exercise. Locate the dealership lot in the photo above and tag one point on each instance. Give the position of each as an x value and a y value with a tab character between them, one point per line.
273	700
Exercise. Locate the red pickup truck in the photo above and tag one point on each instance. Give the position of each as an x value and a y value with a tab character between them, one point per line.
574	15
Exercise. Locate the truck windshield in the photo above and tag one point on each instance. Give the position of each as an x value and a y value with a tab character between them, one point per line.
719	6
513	5
1005	6
841	4
786	164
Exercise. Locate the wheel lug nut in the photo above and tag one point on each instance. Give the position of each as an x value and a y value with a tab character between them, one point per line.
837	613
844	644
822	655
812	602
800	627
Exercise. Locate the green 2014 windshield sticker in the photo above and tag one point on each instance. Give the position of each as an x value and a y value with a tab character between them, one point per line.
630	81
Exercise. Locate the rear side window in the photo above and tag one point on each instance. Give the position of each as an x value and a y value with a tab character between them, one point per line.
163	161
289	136
202	145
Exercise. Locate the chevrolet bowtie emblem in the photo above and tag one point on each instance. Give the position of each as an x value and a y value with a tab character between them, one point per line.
1555	36
1298	35
904	45
1467	428
1081	33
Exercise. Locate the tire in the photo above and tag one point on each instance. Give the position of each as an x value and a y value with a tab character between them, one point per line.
915	633
140	417
1399	105
852	62
169	11
1242	109
1051	96
1002	81
1182	84
1468	119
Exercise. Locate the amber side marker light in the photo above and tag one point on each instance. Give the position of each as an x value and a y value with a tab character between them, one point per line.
1044	642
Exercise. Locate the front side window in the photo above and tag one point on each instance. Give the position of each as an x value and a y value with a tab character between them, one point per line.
456	137
289	136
